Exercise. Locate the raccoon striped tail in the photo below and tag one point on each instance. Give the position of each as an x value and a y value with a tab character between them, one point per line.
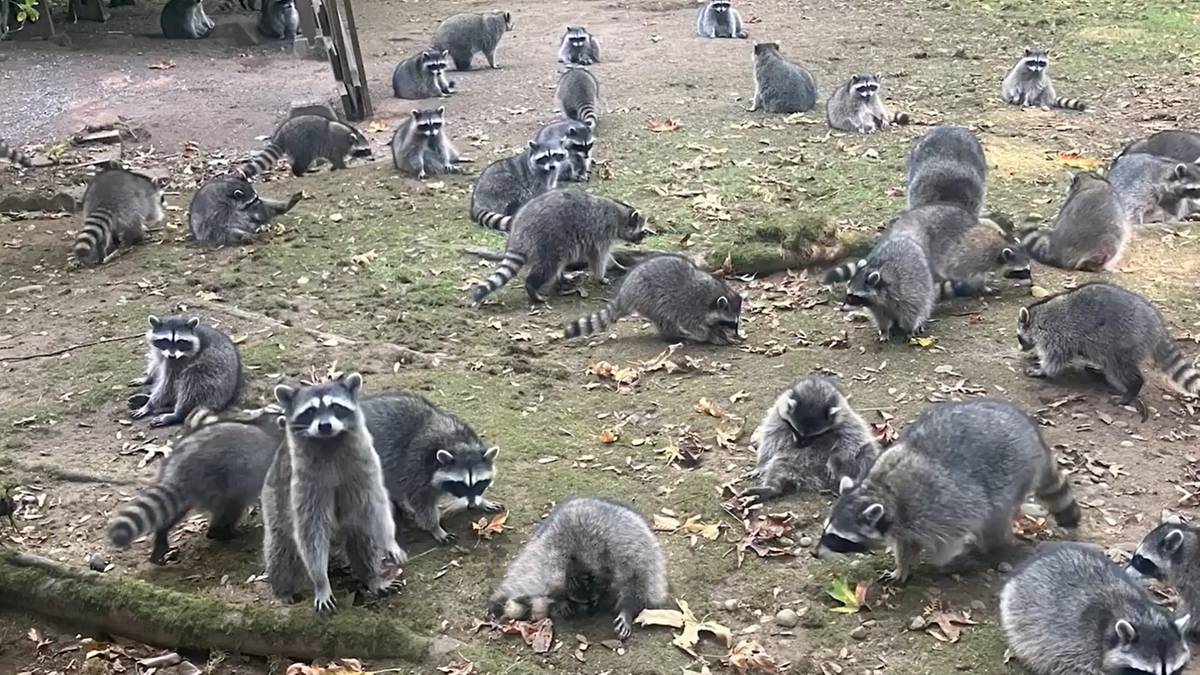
900	119
844	272
492	220
508	269
587	115
261	161
949	289
155	508
1055	494
1069	103
594	322
14	155
1178	367
94	241
1036	241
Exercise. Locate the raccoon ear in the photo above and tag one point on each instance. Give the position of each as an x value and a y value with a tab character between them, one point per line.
281	422
855	78
353	382
878	77
416	114
1028	51
873	278
1181	170
572	132
193	322
1173	541
533	145
722	302
445	53
153	321
1023	315
873	513
845	485
1007	254
1126	633
441	110
490	453
444	457
284	395
833	411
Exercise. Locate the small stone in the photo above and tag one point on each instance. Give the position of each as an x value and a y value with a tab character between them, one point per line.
859	633
730	604
1004	568
917	623
98	562
1126	444
978	605
787	618
805	541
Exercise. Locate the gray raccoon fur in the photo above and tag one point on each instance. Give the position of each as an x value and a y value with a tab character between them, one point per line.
578	46
895	285
1069	610
117	207
1171	553
217	465
1108	328
305	139
184	20
14	155
189	365
579	95
596	543
428	456
507	184
1177	144
1156	189
684	303
227	210
952	482
1028	84
947	164
462	35
326	480
575	139
420	146
422	75
781	86
858	106
1090	233
718	19
279	19
809	439
982	251
556	229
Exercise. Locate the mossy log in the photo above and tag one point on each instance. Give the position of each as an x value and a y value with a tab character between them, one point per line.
810	241
157	616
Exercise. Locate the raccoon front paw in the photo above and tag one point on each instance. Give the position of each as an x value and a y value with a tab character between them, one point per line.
395	555
1035	371
444	537
422	175
896	576
139	381
138	403
623	625
164	420
140	412
490	506
324	603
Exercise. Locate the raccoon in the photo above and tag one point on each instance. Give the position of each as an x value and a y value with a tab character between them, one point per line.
579	95
983	250
328	480
422	75
895	284
589	553
428	454
420	147
578	46
14	155
227	210
718	19
781	86
464	34
577	141
185	19
947	165
305	139
953	481
809	439
1176	144
189	365
507	184
240	5
117	207
1171	553
279	20
558	228
1090	233
1069	609
218	465
1156	189
857	106
683	302
1028	84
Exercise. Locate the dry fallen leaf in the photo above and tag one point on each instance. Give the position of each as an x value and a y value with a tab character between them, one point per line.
343	667
485	528
1075	161
463	668
660	124
707	407
375	127
946	622
609	436
537	634
162	65
685	619
607	371
750	657
364	259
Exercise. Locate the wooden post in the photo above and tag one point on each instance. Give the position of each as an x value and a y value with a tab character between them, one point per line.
350	74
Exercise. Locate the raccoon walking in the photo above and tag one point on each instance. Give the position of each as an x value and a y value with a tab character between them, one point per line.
1171	553
185	20
14	155
579	95
954	480
810	438
227	210
117	207
1028	84
218	466
420	147
578	46
1109	328
279	19
857	106
189	365
422	75
894	283
1090	233
780	86
586	547
508	184
304	139
683	302
718	19
947	165
1176	144
326	480
1069	609
462	35
557	229
1156	189
577	141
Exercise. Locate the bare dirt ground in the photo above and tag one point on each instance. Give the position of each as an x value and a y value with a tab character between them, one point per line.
377	259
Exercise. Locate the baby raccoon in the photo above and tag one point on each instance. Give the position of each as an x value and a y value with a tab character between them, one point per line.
1090	233
14	155
857	106
1176	144
462	35
1156	189
189	365
586	548
947	165
1107	328
1171	553
579	95
118	206
422	75
781	86
578	46
305	139
895	284
507	184
683	302
217	465
809	440
718	19
279	19
951	485
559	228
185	19
228	211
577	141
420	147
1028	84
1069	609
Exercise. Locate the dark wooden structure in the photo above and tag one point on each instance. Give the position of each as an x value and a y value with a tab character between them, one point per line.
330	24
